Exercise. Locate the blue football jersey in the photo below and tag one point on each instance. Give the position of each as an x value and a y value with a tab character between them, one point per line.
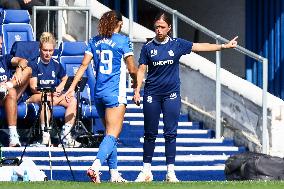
162	60
48	75
108	55
5	67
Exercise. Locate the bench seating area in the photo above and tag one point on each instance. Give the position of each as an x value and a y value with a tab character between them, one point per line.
18	40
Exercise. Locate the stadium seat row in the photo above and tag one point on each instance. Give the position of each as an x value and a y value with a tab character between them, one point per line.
18	40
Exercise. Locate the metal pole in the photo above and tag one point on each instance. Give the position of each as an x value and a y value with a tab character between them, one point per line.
48	15
34	19
60	22
55	8
87	25
218	93
130	10
175	24
59	26
265	136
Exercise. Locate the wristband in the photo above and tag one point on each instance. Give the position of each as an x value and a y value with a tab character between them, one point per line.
223	46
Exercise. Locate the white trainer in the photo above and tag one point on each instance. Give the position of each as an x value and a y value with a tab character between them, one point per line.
46	138
70	142
67	139
117	178
14	141
94	175
171	177
144	177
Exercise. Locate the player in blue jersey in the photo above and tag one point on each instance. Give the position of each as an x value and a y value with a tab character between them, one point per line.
162	91
49	76
112	54
12	87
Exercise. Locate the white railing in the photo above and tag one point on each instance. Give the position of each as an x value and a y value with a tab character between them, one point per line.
60	22
177	15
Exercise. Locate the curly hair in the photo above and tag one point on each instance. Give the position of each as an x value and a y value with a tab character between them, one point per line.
108	23
47	37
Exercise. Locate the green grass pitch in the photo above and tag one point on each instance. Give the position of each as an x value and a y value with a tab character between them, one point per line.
158	185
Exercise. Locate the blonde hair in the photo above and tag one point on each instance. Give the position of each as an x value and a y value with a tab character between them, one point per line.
47	37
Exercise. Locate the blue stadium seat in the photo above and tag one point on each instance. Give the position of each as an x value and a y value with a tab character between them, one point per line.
26	49
30	51
15	26
23	110
70	56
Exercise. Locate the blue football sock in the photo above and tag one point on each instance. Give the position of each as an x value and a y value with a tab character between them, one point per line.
106	148
112	159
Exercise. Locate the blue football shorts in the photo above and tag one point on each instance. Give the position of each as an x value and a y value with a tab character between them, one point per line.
108	102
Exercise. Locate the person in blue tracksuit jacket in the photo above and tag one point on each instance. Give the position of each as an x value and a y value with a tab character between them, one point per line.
160	57
49	78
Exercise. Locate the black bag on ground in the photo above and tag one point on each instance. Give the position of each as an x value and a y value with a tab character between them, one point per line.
10	162
254	166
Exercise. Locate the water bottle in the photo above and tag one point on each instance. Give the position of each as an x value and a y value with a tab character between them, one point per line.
26	176
14	176
1	154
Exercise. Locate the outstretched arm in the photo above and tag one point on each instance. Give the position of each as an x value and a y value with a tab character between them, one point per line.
198	47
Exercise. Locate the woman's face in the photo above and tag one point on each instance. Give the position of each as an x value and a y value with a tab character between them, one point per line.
161	29
46	51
